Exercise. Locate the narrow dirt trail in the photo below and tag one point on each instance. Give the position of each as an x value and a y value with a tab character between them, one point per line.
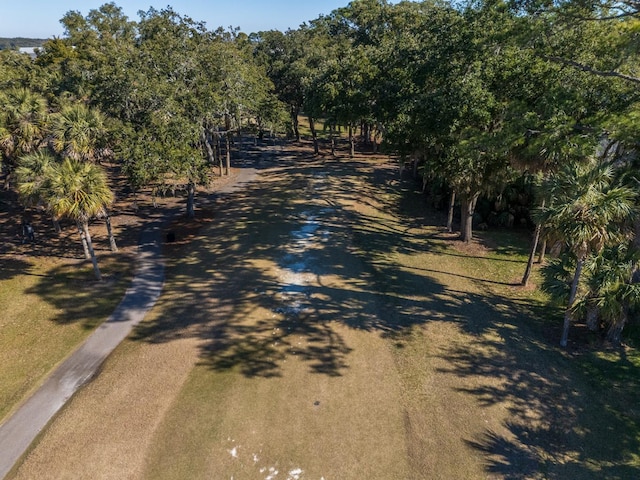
273	354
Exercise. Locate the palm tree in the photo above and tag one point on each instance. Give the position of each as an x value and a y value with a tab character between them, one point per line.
78	132
23	122
589	211
542	152
611	290
33	173
79	190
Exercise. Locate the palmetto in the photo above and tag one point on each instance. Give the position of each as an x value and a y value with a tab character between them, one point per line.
611	291
589	211
67	189
33	173
23	122
77	132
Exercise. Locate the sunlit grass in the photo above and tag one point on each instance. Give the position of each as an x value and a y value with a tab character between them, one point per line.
48	307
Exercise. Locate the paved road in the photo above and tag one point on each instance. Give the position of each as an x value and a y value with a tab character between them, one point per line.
19	430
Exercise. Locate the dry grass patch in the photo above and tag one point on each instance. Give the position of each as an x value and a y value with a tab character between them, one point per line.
49	307
314	329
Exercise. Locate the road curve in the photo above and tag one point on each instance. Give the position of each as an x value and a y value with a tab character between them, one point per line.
21	428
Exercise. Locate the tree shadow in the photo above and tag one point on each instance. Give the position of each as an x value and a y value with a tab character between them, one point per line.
75	294
561	425
13	266
278	276
289	265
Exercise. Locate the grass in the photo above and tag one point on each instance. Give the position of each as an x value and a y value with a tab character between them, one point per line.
410	356
322	130
48	307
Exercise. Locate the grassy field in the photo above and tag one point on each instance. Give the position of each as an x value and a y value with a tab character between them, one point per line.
48	307
324	326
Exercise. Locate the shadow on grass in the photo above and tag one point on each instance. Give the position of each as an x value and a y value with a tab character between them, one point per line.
78	298
278	272
286	266
13	267
564	422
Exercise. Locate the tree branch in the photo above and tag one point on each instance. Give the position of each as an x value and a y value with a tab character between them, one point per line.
587	68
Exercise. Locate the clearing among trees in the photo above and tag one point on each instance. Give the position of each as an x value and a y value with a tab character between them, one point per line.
329	333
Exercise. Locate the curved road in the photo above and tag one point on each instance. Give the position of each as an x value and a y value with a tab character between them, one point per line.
20	429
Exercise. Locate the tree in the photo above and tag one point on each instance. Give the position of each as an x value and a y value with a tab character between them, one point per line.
32	175
78	132
281	54
612	292
79	191
589	211
23	124
607	43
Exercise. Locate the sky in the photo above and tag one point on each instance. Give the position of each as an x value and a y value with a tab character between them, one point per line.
41	18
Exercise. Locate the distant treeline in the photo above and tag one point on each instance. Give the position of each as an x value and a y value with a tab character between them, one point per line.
12	43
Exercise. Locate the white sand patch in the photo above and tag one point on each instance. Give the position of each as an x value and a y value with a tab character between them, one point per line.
295	474
273	473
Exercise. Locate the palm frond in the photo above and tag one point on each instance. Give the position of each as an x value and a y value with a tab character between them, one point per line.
79	190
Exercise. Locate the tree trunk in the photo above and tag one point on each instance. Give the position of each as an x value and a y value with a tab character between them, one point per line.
219	154
593	316
467	207
191	200
572	298
56	225
7	181
207	145
543	250
314	135
452	203
376	135
85	246
332	134
352	142
294	123
84	232
227	164
532	254
614	333
112	239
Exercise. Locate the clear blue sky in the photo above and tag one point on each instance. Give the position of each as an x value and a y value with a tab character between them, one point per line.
41	18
